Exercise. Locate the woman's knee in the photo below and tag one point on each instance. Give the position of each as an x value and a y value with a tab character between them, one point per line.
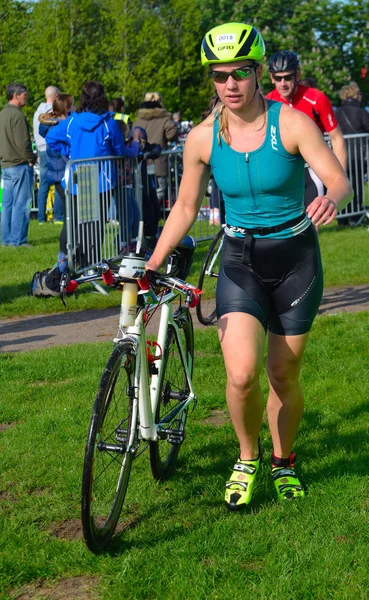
243	379
283	377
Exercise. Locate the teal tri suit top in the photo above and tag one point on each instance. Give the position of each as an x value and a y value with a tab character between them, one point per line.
262	188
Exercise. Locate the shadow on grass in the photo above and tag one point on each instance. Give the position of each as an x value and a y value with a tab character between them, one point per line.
331	440
13	292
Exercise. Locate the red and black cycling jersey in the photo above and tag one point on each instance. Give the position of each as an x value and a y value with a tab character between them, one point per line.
313	103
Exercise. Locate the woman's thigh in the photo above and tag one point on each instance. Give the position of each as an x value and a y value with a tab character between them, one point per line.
242	338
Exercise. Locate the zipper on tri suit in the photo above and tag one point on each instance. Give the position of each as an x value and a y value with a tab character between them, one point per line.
250	180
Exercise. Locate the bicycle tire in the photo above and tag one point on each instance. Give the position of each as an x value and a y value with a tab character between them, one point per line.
174	387
107	464
206	308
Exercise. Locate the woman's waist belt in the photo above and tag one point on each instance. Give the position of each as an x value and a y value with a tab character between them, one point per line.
267	230
250	232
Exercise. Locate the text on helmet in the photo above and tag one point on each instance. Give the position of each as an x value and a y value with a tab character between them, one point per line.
226	37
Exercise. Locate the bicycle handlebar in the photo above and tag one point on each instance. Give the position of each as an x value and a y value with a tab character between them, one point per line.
146	282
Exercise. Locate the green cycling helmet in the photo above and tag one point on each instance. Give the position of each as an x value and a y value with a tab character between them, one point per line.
232	42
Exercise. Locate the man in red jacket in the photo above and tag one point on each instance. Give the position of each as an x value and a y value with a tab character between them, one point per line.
284	69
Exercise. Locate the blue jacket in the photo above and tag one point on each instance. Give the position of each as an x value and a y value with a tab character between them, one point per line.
56	162
88	135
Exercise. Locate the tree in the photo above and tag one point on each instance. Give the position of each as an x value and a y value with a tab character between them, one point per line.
133	47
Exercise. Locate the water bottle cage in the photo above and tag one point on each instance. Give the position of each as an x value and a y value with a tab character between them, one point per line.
150	351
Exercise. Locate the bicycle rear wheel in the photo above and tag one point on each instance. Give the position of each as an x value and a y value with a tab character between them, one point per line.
108	462
174	388
206	308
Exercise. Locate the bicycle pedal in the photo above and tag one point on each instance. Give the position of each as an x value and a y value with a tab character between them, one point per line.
121	435
176	437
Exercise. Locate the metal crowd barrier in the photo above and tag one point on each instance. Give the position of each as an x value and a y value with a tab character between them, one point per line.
103	204
358	172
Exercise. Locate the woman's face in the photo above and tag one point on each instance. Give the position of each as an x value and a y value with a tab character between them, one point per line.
238	90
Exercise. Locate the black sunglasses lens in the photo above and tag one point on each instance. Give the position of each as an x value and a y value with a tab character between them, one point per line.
285	77
219	76
237	75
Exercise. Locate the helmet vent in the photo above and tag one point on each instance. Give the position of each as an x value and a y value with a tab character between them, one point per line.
211	40
242	36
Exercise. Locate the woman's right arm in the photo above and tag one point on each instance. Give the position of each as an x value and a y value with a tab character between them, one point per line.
190	196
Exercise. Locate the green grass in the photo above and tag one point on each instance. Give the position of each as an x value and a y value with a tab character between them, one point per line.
345	254
182	544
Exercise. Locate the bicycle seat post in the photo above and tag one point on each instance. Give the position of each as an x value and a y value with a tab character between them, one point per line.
132	268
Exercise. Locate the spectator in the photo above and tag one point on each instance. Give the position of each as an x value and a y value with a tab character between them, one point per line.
183	127
92	132
56	162
161	129
116	105
17	160
176	116
284	69
150	203
50	94
353	118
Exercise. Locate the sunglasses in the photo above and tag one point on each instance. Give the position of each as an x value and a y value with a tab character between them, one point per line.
238	74
285	77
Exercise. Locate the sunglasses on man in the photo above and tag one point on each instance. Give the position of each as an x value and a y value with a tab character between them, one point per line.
238	74
285	77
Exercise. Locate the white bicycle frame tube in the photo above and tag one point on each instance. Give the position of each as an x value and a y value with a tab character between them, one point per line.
147	395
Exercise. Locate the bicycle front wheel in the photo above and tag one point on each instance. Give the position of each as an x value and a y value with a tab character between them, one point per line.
110	449
206	308
174	388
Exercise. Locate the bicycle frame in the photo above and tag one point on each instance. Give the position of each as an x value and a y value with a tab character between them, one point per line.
209	271
146	392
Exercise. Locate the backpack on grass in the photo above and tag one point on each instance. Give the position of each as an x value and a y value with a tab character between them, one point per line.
46	283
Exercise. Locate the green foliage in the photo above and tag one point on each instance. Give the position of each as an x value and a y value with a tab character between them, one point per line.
134	47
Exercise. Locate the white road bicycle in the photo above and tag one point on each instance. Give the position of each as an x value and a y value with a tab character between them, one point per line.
144	394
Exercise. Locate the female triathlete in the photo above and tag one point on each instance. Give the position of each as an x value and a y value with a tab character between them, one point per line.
271	275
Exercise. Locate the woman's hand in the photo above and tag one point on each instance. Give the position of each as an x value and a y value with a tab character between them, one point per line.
152	265
136	135
322	210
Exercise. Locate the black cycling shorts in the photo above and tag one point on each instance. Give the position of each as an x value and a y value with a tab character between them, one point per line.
280	281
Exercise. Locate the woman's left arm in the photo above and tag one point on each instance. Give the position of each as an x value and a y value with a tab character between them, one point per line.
307	139
57	137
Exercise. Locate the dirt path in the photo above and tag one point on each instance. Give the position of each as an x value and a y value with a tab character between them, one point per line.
44	331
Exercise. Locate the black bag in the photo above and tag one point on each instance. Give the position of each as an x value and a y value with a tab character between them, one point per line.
46	283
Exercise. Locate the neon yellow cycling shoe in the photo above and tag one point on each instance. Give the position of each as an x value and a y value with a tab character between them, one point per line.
240	485
286	482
